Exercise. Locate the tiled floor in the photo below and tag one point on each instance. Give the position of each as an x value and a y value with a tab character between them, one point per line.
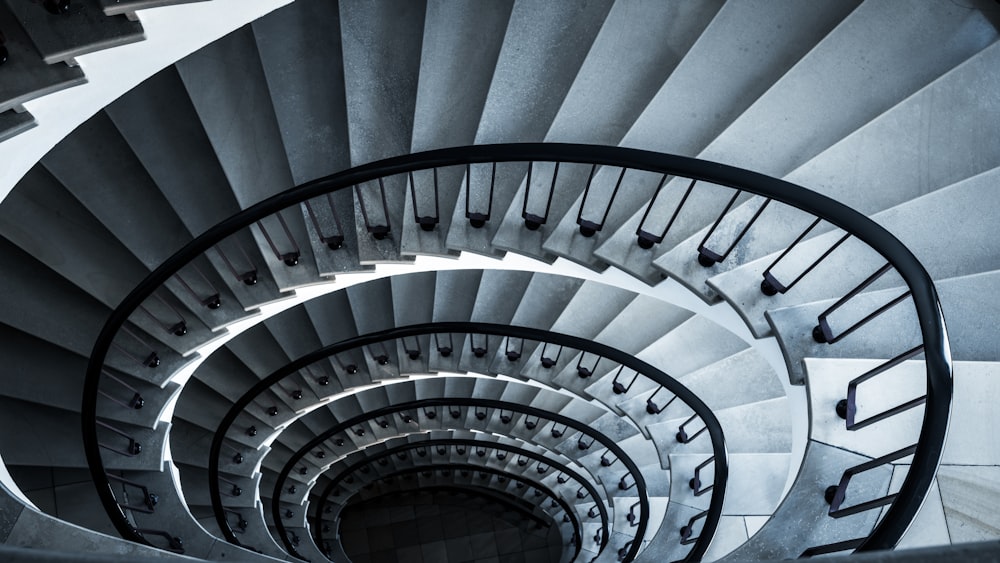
444	527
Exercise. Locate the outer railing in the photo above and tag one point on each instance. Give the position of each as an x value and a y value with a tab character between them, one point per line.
135	334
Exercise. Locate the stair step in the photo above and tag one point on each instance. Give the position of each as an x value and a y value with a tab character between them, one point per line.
678	353
13	123
85	29
129	7
895	331
917	223
745	377
828	383
803	513
26	75
545	46
762	427
459	50
381	50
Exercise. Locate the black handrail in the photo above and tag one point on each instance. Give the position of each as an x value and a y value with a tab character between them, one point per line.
328	490
925	299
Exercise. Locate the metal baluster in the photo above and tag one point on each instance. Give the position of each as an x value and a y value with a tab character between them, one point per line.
847	408
513	355
531	424
426	222
334	241
478	351
582	493
632	517
623	550
235	490
771	286
134	447
149	500
430	413
289	258
605	462
506	417
556	433
136	402
248	277
412	353
589	228
709	258
541	469
584	445
623	482
178	328
682	435
646	239
213	301
381	358
444	351
174	543
688	529
835	494
583	371
617	386
652	407
547	362
532	221
349	369
241	523
822	331
476	219
695	482
378	231
152	360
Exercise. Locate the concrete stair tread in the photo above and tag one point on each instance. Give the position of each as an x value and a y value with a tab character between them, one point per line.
610	61
803	513
960	297
13	123
543	45
757	427
34	77
129	7
742	378
381	62
459	49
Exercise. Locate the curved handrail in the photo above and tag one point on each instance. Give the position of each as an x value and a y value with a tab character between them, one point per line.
328	490
923	293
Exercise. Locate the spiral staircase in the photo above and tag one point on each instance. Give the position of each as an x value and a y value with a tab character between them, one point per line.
498	281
